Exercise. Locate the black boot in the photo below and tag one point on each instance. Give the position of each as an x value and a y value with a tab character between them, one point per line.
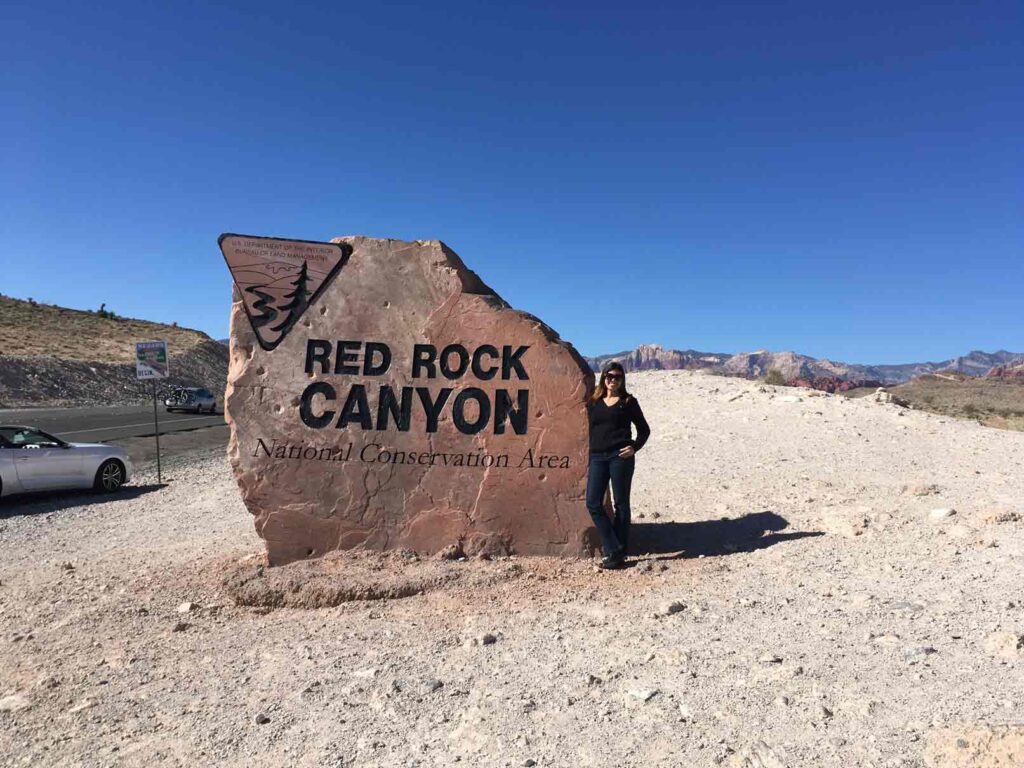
612	562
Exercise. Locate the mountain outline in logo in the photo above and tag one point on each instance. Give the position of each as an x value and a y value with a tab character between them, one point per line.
280	279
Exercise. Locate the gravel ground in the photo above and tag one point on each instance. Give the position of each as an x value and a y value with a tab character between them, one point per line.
819	582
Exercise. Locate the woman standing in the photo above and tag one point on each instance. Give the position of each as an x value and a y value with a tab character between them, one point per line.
612	448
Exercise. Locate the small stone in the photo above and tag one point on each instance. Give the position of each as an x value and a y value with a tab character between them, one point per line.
906	605
920	489
593	680
488	639
529	762
675	606
1005	645
941	513
644	694
47	682
67	566
14	703
1002	515
782	701
262	719
432	684
915	653
452	552
180	626
823	713
770	658
644	566
758	755
888	640
83	705
187	607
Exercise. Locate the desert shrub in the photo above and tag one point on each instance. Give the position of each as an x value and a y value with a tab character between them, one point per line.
971	409
774	376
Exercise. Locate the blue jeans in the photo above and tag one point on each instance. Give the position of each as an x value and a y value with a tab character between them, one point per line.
605	467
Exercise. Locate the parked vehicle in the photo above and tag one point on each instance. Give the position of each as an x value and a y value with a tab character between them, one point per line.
32	460
195	399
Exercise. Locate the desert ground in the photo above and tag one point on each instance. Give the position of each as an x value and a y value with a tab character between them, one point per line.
818	581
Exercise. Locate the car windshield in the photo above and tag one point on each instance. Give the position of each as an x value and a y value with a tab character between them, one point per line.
26	437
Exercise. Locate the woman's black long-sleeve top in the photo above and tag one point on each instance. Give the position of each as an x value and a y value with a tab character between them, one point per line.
609	425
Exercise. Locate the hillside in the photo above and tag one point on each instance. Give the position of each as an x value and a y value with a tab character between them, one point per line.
993	401
52	356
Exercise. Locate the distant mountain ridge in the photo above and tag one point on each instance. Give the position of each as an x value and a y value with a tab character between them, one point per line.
793	366
654	357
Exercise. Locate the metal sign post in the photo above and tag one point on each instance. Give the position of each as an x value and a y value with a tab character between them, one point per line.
151	363
156	432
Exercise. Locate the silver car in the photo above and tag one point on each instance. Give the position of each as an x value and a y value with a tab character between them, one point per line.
195	399
32	460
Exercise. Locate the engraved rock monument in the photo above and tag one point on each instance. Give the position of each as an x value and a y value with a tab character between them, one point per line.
380	395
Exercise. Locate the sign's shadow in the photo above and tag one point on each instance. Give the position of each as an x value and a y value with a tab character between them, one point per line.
712	538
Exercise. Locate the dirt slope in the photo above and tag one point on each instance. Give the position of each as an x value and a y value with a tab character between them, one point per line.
995	402
53	356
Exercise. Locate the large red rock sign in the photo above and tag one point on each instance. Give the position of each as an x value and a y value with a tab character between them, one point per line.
381	395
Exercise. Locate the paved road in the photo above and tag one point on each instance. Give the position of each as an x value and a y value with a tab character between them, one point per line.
98	425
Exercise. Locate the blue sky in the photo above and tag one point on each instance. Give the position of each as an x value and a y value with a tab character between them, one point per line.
841	180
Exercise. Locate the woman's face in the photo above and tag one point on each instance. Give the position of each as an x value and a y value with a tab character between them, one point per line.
613	381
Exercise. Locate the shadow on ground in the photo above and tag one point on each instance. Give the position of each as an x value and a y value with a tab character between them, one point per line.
55	501
755	530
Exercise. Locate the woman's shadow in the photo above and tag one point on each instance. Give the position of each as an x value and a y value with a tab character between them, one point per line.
727	536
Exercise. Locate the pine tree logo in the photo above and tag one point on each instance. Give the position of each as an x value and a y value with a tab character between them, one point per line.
278	280
298	300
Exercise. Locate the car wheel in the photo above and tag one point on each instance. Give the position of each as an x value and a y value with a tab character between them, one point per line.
110	476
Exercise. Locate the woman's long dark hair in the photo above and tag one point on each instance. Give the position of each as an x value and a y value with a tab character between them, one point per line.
601	390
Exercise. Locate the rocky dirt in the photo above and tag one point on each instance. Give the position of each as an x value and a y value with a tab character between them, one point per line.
818	582
52	382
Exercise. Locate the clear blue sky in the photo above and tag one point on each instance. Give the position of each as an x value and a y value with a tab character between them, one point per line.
840	179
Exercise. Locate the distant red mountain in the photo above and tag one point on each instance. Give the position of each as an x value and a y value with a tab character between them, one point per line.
1013	370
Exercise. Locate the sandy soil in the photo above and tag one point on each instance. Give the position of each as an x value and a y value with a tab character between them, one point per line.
798	601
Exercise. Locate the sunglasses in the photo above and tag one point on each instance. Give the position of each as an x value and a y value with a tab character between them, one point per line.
613	375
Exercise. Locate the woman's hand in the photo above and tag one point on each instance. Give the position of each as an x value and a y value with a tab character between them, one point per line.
627	452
